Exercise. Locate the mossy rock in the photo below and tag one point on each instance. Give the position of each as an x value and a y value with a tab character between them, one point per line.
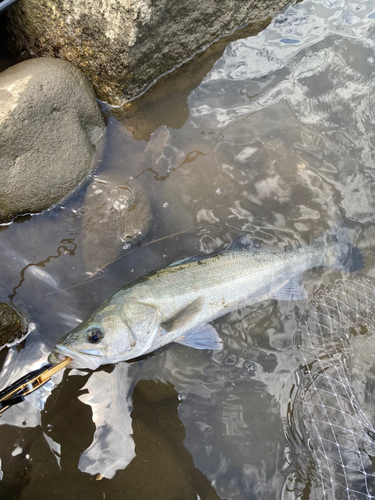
13	327
123	47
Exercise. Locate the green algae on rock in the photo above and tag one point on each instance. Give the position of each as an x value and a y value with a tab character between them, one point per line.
13	327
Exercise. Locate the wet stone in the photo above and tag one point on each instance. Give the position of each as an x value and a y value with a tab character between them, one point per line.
13	327
116	216
51	134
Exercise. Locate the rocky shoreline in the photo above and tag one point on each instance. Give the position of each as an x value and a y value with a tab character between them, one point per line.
123	47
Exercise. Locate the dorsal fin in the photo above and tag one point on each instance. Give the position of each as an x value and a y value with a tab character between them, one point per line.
185	260
242	242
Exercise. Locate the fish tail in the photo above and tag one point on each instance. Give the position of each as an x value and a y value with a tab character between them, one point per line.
341	254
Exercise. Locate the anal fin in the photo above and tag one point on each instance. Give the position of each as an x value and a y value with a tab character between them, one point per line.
292	290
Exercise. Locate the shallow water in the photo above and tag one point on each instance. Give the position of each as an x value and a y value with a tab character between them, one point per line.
274	141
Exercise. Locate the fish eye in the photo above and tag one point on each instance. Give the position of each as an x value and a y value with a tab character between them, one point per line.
95	336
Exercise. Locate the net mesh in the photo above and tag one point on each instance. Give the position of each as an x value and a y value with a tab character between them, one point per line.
324	414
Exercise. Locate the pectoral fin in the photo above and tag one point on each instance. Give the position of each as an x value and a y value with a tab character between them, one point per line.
184	316
292	290
205	337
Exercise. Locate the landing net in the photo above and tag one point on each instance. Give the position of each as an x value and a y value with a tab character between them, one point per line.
324	414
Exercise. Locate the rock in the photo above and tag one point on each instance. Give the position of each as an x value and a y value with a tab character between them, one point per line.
12	327
50	124
114	216
124	46
142	116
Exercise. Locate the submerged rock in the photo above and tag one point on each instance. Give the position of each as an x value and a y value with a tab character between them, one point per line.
50	125
12	326
115	216
124	46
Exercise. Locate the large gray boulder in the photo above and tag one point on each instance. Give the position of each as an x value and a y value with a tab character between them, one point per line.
50	124
124	45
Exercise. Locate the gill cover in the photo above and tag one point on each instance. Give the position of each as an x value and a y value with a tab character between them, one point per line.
141	318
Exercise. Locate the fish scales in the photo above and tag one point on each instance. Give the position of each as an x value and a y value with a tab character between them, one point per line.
232	278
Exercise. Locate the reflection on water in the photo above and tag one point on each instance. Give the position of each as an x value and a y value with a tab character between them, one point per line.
274	141
112	448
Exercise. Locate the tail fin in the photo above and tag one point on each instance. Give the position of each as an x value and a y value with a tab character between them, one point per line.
341	254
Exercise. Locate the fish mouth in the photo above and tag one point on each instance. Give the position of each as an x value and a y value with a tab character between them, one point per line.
90	358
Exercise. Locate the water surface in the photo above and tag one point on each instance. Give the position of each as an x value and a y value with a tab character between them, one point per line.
274	141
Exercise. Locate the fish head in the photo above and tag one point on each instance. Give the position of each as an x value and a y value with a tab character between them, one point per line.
116	332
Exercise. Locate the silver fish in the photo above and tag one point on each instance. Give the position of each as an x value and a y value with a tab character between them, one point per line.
177	303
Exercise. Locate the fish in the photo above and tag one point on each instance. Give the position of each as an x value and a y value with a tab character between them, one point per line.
178	303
